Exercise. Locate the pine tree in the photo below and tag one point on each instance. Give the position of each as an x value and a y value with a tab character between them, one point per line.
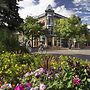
9	15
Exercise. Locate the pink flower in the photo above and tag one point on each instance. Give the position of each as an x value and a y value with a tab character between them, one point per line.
19	87
28	84
42	86
4	86
76	80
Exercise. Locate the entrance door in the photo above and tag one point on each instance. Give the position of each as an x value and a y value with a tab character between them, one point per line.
49	41
64	43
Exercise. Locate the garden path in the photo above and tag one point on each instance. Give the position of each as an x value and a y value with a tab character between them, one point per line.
82	53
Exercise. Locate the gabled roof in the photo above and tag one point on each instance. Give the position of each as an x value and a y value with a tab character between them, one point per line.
55	15
58	15
41	15
49	8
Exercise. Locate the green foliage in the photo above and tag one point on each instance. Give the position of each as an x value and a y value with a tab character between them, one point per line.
13	66
71	28
31	27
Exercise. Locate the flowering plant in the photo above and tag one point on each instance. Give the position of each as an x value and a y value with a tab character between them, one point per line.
45	72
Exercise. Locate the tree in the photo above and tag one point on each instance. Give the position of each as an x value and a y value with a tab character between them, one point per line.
9	15
9	22
70	28
67	27
31	28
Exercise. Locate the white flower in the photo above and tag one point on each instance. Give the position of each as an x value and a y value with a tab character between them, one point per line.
40	71
42	86
31	73
32	89
27	74
57	74
9	86
36	88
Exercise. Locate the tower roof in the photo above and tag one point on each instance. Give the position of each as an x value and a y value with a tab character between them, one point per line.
49	7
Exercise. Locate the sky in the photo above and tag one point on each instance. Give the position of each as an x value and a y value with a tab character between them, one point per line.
66	8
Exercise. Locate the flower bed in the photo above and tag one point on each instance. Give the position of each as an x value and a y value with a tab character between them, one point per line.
43	72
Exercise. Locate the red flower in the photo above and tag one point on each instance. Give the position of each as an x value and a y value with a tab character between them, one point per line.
76	80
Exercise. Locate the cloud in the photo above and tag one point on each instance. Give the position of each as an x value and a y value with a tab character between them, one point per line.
85	4
79	1
83	9
86	19
88	26
76	1
79	12
35	8
63	11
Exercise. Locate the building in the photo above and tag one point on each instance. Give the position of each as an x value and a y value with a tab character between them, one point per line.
48	18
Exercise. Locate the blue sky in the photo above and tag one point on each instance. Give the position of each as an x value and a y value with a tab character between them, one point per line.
66	8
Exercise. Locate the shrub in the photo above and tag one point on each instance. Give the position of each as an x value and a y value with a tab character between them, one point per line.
8	41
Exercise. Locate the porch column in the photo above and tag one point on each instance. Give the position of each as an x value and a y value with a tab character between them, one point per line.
38	42
46	41
60	42
33	42
53	41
